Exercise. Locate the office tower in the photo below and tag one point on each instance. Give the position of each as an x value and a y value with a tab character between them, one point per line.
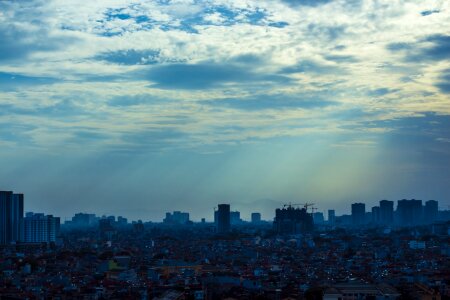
376	215
11	216
40	228
386	212
223	218
256	217
331	217
409	212
431	211
235	218
318	218
358	213
292	220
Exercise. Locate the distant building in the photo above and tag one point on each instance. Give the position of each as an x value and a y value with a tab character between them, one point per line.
11	217
82	220
177	218
409	212
386	212
121	221
431	211
235	218
358	214
331	217
292	220
318	218
106	224
256	217
223	218
376	215
40	228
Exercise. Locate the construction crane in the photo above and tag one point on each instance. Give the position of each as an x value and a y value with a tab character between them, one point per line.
305	205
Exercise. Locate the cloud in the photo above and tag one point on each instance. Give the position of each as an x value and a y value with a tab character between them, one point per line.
312	3
130	57
444	82
341	58
276	102
23	35
429	12
61	109
12	81
381	92
207	75
431	48
312	67
122	101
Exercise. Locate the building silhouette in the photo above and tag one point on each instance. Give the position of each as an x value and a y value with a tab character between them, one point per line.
11	217
256	217
292	220
318	218
376	215
331	217
223	218
358	214
430	211
176	218
40	228
386	212
409	212
235	218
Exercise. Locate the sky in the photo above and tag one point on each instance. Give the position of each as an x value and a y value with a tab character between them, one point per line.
137	108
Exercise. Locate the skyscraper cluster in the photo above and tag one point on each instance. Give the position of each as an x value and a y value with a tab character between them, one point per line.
408	213
14	228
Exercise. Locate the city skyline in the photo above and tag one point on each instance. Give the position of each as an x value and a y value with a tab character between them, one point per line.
384	210
133	108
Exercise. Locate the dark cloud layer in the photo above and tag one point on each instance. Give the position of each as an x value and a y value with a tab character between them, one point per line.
444	82
207	75
431	48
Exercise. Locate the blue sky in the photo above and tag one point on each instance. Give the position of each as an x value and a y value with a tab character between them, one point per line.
136	108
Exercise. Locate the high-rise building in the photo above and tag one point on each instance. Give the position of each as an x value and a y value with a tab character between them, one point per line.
11	216
376	215
223	218
431	211
292	220
386	212
331	217
358	213
121	221
235	218
177	218
40	228
256	217
82	220
409	212
318	218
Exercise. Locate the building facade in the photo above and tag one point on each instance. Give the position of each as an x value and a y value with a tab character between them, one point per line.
358	214
223	218
11	216
40	228
386	212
